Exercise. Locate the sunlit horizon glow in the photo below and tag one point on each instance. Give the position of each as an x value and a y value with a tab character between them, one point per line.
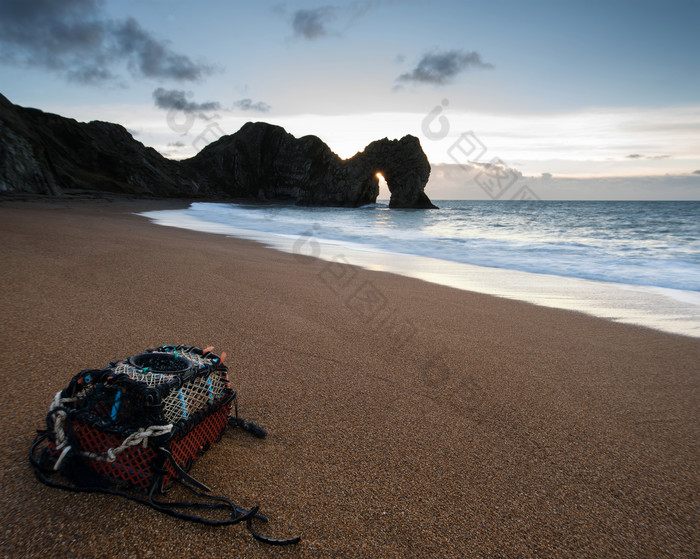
601	142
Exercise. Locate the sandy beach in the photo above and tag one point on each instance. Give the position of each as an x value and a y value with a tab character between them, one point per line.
405	419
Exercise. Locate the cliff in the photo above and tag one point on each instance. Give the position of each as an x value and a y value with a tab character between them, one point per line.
43	153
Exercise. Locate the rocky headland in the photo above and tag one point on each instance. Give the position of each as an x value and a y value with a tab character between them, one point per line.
46	154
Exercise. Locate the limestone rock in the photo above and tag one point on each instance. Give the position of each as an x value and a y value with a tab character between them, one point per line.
264	161
43	153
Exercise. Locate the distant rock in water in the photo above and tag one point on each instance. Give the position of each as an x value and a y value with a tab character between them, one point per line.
43	153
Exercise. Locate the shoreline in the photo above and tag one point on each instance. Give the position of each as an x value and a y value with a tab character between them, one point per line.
404	418
664	309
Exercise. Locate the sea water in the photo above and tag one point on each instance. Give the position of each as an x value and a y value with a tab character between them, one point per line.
634	262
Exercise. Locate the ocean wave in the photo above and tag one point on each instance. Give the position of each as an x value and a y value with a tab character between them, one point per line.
614	242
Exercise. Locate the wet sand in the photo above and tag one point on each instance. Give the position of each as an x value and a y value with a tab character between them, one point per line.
405	419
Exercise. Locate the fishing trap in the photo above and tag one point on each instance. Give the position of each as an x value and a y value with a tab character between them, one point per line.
135	427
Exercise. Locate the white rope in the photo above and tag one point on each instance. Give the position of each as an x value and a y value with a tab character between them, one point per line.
136	438
59	419
65	452
58	401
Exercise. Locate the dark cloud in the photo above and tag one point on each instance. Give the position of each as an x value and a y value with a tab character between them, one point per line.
177	99
315	23
90	74
640	156
74	38
249	105
311	24
440	68
496	167
152	58
696	172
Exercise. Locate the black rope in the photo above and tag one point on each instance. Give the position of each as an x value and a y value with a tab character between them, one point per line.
250	426
238	514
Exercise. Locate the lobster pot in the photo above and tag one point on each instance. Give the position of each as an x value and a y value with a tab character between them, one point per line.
142	420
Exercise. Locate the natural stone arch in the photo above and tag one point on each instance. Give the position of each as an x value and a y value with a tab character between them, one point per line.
49	153
404	166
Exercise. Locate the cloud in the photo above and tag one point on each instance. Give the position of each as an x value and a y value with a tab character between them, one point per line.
177	99
248	105
315	23
359	8
640	156
74	38
696	172
311	24
450	181
440	68
152	58
497	169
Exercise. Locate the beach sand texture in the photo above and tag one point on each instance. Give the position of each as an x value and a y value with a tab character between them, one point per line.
405	419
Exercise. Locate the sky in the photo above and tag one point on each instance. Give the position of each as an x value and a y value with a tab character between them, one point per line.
510	98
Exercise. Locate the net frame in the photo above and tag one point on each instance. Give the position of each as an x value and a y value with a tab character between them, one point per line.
117	419
137	429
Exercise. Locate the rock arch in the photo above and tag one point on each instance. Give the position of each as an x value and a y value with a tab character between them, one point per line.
49	153
404	166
